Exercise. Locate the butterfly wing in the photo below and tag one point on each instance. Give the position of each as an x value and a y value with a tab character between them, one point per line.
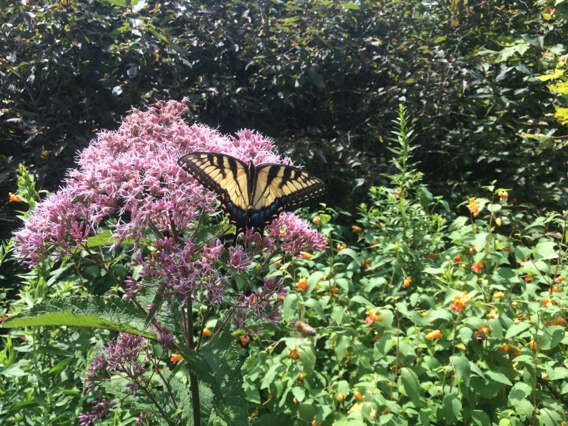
279	187
225	175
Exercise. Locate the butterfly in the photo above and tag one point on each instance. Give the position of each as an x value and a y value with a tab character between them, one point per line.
252	195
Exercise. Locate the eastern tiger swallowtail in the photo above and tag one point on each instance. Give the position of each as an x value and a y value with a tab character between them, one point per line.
252	195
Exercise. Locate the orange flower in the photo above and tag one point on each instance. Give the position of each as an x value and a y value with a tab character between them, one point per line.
245	339
373	317
294	353
175	358
532	344
515	351
457	259
460	302
305	255
340	397
477	267
341	246
13	198
316	220
504	347
358	396
431	255
473	207
333	289
407	282
355	228
472	249
315	424
528	278
498	295
559	280
302	284
547	303
503	195
554	289
435	334
301	376
206	332
492	314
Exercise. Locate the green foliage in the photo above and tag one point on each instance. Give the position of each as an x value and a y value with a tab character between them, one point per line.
466	324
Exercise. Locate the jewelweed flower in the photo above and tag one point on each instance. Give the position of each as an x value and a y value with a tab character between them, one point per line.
358	396
407	282
245	339
435	334
206	332
498	295
559	280
457	258
498	221
460	302
305	255
13	198
341	246
355	228
558	321
294	353
477	267
473	207
316	220
175	358
492	313
302	284
503	195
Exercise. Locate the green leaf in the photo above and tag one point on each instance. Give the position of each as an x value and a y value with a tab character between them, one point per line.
545	249
517	329
480	418
452	408
410	386
498	377
219	365
91	312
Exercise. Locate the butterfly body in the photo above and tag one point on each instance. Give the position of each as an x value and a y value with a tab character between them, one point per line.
252	195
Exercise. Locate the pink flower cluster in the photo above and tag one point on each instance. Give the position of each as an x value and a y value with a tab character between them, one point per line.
132	175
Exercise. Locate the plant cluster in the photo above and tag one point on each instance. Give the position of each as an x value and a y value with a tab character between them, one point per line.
415	314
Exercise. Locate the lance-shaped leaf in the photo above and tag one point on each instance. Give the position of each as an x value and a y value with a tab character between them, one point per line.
90	312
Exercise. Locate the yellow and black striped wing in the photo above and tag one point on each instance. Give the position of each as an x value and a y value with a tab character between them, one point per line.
284	187
223	174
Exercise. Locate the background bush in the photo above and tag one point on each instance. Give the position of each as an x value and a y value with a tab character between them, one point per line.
323	78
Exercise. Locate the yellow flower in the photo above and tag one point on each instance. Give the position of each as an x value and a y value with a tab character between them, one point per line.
503	195
407	282
492	314
498	221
